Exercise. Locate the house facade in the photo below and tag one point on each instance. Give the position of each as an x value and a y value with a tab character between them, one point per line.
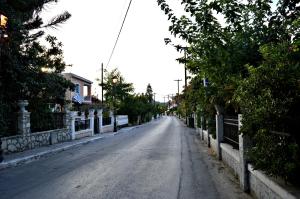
83	87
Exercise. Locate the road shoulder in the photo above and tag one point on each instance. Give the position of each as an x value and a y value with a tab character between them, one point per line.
225	181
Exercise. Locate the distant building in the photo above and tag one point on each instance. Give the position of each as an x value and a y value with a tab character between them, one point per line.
82	93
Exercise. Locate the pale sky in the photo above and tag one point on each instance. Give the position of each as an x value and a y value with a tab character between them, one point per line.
141	54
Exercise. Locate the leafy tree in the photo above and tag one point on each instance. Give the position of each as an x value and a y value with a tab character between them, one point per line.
140	107
130	106
252	63
116	92
24	60
136	107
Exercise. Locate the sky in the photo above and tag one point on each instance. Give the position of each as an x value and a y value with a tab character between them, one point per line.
141	54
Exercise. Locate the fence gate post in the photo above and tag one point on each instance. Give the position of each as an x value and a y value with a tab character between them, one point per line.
23	118
100	114
68	122
244	145
201	127
208	137
72	114
195	120
91	118
219	134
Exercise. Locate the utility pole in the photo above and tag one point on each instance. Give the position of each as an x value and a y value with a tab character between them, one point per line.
102	84
178	80
168	102
185	84
185	72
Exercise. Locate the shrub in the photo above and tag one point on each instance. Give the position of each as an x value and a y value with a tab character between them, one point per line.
270	103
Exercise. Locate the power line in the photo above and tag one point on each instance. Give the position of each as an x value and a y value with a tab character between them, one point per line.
112	52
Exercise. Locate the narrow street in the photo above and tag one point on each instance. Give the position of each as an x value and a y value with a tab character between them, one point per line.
161	159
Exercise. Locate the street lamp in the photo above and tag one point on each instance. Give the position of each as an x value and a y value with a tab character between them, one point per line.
114	81
3	20
177	100
3	26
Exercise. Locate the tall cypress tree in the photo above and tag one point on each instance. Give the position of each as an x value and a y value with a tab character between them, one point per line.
28	69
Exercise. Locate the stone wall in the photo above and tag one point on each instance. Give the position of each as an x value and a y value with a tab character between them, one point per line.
20	143
106	129
255	181
83	133
231	157
264	187
60	135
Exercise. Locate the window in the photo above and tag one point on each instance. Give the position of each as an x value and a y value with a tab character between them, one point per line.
77	89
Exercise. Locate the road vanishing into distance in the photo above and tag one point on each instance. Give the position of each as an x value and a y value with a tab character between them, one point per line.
161	159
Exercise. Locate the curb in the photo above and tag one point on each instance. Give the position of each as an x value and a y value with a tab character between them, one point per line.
31	158
37	156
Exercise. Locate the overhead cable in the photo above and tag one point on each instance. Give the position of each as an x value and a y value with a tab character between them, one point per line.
112	52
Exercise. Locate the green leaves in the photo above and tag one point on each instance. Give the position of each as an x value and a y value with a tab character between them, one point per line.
250	54
58	20
116	89
30	70
140	106
269	99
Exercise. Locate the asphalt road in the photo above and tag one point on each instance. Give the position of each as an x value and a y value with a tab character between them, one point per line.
161	159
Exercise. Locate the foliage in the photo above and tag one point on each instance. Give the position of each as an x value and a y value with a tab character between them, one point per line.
272	91
115	92
136	106
140	107
30	70
149	93
251	59
120	97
